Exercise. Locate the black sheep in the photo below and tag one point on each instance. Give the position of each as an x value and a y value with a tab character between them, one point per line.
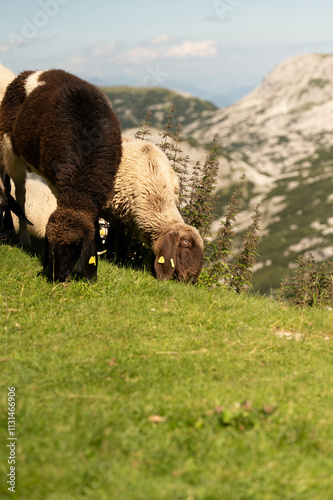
64	129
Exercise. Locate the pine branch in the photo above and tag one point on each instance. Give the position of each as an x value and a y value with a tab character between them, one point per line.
144	127
242	271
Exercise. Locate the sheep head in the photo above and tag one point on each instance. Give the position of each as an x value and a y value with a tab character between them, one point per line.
179	253
70	246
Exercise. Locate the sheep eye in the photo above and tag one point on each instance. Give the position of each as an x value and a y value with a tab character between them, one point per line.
186	243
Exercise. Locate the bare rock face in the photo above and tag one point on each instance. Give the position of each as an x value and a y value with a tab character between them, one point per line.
280	122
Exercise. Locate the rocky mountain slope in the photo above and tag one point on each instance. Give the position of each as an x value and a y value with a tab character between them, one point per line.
285	119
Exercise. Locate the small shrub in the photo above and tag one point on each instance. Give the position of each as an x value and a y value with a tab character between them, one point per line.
200	204
310	285
220	268
225	234
242	270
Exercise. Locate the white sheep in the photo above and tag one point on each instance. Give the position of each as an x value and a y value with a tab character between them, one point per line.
6	76
40	203
6	202
145	200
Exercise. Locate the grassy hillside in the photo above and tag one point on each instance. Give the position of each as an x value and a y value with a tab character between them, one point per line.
132	103
137	389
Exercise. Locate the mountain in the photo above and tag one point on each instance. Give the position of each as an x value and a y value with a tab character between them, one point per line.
131	105
281	136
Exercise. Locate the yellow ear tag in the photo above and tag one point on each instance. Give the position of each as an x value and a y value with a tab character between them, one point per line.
161	260
92	260
172	263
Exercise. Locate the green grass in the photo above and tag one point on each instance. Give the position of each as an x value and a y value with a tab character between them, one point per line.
92	363
318	82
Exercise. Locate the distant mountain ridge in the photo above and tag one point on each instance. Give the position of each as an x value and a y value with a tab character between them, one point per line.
132	103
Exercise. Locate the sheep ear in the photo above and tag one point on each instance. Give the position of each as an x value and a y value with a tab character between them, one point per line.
12	204
15	208
166	258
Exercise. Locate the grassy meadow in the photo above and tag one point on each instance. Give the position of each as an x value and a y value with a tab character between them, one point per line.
131	388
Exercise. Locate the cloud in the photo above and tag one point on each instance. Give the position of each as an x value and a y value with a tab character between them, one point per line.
161	39
205	48
102	50
151	62
140	54
17	42
162	50
5	47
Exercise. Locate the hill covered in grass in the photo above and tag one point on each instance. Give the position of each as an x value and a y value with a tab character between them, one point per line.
132	103
133	388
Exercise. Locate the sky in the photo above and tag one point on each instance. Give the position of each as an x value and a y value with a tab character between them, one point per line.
210	48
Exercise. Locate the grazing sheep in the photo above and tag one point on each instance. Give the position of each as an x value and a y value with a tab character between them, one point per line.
40	203
144	200
6	76
145	195
63	129
7	202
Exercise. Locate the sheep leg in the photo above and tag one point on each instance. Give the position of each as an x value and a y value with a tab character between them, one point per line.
6	221
116	243
16	168
121	243
18	174
23	234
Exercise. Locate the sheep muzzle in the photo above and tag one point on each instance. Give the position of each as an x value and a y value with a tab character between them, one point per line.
77	259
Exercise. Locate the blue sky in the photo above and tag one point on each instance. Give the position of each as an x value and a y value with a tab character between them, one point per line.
209	47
